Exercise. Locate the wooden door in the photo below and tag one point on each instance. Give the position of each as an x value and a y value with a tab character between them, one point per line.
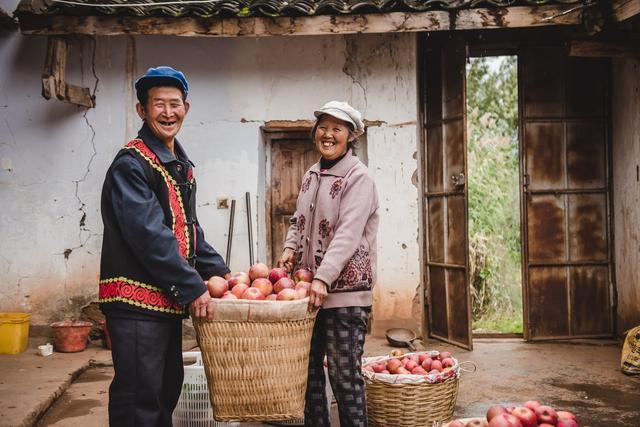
448	301
565	193
291	154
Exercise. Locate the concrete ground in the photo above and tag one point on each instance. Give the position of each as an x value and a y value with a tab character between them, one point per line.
71	389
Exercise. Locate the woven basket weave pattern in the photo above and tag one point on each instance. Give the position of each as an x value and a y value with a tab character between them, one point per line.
256	371
410	405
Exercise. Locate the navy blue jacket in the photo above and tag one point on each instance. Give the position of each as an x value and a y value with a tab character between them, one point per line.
154	257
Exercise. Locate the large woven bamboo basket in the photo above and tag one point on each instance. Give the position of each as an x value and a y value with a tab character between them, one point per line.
256	356
411	400
410	405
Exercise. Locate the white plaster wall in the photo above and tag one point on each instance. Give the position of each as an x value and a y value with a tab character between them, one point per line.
53	156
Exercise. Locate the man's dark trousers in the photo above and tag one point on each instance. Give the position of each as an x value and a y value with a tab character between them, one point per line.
147	358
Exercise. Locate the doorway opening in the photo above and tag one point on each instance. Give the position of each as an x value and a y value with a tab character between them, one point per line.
493	156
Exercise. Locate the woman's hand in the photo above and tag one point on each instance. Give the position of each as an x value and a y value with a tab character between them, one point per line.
287	259
317	294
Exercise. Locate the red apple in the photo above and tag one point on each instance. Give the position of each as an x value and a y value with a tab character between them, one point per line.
277	274
456	423
526	416
495	410
302	293
566	414
436	365
477	423
229	295
271	297
443	355
434	372
546	414
284	283
287	294
303	285
253	294
378	367
505	420
217	286
410	365
531	404
423	357
258	271
418	370
239	289
393	365
402	371
240	277
567	422
303	275
426	364
264	285
447	362
545	425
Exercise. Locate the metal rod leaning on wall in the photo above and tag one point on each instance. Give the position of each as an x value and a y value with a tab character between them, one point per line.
230	236
247	197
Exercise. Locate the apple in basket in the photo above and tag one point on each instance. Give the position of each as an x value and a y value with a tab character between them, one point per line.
239	289
532	404
566	414
271	297
426	364
443	355
448	362
436	365
505	420
477	423
264	285
456	423
302	275
567	422
277	274
253	294
229	295
302	293
240	277
287	294
258	271
217	286
418	370
284	283
393	365
546	414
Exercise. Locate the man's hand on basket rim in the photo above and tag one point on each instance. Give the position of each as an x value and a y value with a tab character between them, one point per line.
202	306
317	294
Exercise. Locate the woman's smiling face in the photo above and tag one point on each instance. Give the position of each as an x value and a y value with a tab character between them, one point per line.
332	137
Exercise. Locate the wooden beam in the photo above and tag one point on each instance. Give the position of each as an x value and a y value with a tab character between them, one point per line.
625	9
395	22
595	49
54	75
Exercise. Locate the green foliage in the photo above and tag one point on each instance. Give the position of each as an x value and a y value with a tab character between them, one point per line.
494	219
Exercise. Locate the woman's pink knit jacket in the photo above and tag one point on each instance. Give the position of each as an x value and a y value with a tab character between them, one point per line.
333	230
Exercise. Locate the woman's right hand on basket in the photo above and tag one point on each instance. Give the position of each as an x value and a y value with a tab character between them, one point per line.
317	294
286	259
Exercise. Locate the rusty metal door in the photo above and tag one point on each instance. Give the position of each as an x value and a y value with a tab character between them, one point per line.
445	192
291	153
565	195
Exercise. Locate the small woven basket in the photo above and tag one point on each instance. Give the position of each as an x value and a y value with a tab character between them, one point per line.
425	402
256	357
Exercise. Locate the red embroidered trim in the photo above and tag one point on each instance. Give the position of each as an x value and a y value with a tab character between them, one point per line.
175	200
138	294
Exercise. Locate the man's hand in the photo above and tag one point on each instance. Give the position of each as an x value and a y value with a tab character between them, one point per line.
287	259
202	306
317	294
227	276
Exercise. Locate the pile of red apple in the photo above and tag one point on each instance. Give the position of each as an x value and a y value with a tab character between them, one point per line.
421	363
531	414
262	283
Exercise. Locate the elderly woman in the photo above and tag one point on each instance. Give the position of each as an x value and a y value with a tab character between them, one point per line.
333	234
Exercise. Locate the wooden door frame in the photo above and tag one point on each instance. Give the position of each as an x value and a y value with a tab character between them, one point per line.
269	134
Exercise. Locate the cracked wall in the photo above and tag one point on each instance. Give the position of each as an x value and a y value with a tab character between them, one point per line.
53	156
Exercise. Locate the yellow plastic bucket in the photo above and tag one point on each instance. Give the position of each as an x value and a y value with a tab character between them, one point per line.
14	332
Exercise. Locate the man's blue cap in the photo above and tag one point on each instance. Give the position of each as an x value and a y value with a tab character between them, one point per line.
161	76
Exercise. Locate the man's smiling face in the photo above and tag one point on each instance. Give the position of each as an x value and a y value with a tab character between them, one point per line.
164	112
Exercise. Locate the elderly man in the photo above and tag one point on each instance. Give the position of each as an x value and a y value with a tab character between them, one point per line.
154	256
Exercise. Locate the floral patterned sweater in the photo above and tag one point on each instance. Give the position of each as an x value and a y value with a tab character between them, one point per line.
333	230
